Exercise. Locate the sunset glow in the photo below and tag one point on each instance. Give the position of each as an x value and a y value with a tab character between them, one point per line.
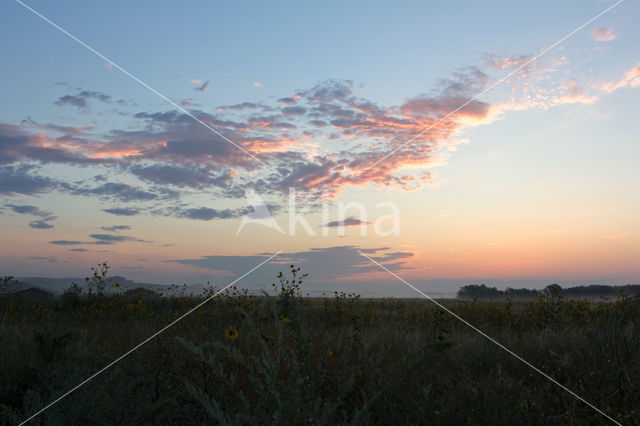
533	181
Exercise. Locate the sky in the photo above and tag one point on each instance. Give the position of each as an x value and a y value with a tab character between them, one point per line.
450	143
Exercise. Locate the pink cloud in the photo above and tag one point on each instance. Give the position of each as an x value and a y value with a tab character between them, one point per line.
630	79
321	140
575	94
603	34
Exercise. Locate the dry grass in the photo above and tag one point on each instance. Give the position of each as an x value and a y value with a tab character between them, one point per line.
339	360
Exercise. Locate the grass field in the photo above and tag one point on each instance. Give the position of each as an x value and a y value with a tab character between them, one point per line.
286	359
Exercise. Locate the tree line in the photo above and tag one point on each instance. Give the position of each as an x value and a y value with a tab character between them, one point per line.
482	291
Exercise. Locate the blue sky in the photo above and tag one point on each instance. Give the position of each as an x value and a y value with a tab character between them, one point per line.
393	52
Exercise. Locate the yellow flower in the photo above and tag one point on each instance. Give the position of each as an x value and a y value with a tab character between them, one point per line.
284	319
231	333
329	354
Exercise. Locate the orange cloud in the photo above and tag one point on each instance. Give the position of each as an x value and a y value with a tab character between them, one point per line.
617	236
114	153
283	144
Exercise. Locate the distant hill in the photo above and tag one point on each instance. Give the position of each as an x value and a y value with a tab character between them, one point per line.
34	294
60	285
141	293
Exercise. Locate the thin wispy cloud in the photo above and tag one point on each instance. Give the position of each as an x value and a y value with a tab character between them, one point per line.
631	79
116	228
43	223
45	259
28	209
122	211
81	99
203	87
616	236
99	239
46	218
350	221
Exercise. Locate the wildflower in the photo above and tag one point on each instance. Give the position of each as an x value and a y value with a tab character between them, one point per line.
231	333
329	354
284	319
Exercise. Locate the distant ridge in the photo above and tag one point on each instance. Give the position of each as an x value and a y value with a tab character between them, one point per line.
60	285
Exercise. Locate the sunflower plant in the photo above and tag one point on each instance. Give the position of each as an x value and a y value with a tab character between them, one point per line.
289	289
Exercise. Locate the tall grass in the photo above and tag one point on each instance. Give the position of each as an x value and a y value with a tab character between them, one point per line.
286	359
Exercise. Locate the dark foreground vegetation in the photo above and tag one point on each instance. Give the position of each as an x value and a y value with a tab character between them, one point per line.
284	359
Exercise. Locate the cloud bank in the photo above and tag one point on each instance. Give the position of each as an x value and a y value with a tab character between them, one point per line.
320	141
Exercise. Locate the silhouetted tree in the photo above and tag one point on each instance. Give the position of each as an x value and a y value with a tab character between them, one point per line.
553	290
472	291
521	293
